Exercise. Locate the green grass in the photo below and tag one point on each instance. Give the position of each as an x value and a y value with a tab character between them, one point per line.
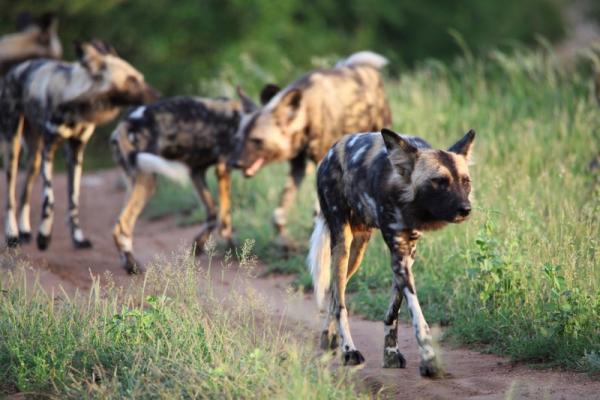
522	277
166	337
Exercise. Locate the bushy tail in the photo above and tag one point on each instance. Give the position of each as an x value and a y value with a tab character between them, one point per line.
174	170
130	159
319	259
365	58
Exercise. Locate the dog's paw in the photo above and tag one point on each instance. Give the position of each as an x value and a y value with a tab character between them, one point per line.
82	244
392	358
25	237
352	357
329	341
431	369
12	242
43	241
131	265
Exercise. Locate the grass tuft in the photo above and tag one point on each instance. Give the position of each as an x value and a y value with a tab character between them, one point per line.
169	336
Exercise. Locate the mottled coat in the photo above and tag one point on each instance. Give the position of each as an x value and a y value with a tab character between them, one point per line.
170	137
46	103
403	187
36	38
302	121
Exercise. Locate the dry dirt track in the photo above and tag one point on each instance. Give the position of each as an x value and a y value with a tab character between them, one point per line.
472	375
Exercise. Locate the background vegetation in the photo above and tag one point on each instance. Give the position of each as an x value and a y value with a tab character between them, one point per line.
522	276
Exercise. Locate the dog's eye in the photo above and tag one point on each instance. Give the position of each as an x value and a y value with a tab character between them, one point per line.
466	181
256	141
440	182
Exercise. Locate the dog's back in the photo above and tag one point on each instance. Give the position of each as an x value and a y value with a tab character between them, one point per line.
193	130
348	98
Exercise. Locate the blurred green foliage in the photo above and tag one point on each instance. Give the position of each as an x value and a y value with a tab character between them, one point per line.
179	45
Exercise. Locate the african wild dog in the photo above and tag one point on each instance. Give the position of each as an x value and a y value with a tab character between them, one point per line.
402	186
303	120
46	103
168	137
36	38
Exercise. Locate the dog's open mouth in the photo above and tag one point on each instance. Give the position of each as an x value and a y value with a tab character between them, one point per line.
458	219
251	170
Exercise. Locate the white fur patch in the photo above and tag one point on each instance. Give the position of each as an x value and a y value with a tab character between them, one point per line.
364	57
78	235
174	170
138	113
279	216
11	224
420	326
352	140
24	219
319	259
125	243
357	156
347	342
46	225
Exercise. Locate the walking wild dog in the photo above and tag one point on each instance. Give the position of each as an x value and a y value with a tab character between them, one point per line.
302	121
47	102
402	186
168	137
36	38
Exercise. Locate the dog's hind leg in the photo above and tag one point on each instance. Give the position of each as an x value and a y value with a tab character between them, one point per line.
75	149
141	190
11	162
34	161
51	143
210	223
294	180
341	239
224	183
360	240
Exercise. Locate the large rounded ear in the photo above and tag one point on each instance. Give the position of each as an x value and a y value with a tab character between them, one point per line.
89	56
401	153
48	21
248	106
289	104
464	145
268	92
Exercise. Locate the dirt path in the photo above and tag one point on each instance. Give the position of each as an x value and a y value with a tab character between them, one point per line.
472	375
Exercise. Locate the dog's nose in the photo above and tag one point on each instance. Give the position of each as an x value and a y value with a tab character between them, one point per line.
464	210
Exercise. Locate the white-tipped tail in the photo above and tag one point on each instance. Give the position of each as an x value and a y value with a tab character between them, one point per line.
174	170
366	58
319	259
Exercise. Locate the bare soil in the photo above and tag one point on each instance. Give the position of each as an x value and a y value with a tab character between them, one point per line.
471	375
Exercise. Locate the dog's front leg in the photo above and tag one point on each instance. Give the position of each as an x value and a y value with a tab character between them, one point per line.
75	150
403	259
51	143
392	357
294	180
